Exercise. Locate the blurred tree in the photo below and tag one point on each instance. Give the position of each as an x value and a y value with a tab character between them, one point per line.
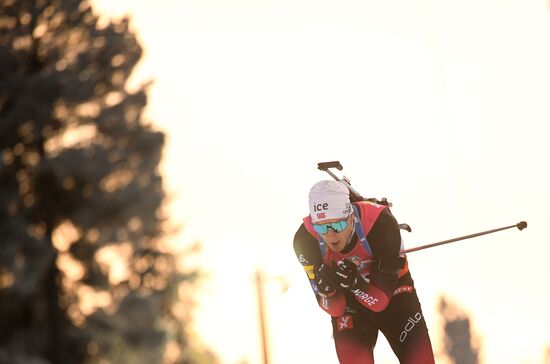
85	274
460	346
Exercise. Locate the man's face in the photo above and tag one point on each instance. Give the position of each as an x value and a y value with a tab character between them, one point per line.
337	241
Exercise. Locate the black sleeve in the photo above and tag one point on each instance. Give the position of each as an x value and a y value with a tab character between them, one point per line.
307	249
385	241
309	255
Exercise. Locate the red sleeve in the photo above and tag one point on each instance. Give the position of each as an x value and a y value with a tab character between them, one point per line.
370	296
333	305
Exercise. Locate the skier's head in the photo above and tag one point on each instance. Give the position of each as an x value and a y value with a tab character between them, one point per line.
329	200
331	212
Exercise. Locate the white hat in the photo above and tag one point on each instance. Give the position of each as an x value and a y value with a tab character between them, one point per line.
329	200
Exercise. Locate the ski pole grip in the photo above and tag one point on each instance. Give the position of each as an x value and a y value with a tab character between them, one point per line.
521	225
324	166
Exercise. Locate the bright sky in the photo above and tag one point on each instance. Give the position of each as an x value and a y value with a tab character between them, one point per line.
439	105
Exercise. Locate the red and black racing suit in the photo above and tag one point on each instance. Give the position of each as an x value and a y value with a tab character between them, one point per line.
384	299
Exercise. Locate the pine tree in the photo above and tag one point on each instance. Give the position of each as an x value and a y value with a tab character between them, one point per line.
85	273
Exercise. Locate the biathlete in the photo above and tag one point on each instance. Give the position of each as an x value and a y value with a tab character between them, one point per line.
351	254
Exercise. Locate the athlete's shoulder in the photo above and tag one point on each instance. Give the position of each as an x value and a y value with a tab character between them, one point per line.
385	236
386	220
306	246
303	237
370	206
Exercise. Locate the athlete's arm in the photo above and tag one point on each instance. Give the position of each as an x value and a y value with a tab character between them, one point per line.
308	253
385	241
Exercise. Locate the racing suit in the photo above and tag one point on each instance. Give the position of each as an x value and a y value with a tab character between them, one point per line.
383	300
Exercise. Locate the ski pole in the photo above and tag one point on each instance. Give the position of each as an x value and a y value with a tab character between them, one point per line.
356	196
520	225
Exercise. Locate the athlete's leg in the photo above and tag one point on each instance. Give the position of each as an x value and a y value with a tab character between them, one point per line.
405	328
354	340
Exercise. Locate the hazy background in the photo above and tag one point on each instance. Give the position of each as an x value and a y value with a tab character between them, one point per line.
441	106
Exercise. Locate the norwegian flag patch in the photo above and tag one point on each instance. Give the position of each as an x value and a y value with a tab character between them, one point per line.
321	215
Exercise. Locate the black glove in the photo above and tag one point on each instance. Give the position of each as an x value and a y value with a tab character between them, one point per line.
326	281
347	274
